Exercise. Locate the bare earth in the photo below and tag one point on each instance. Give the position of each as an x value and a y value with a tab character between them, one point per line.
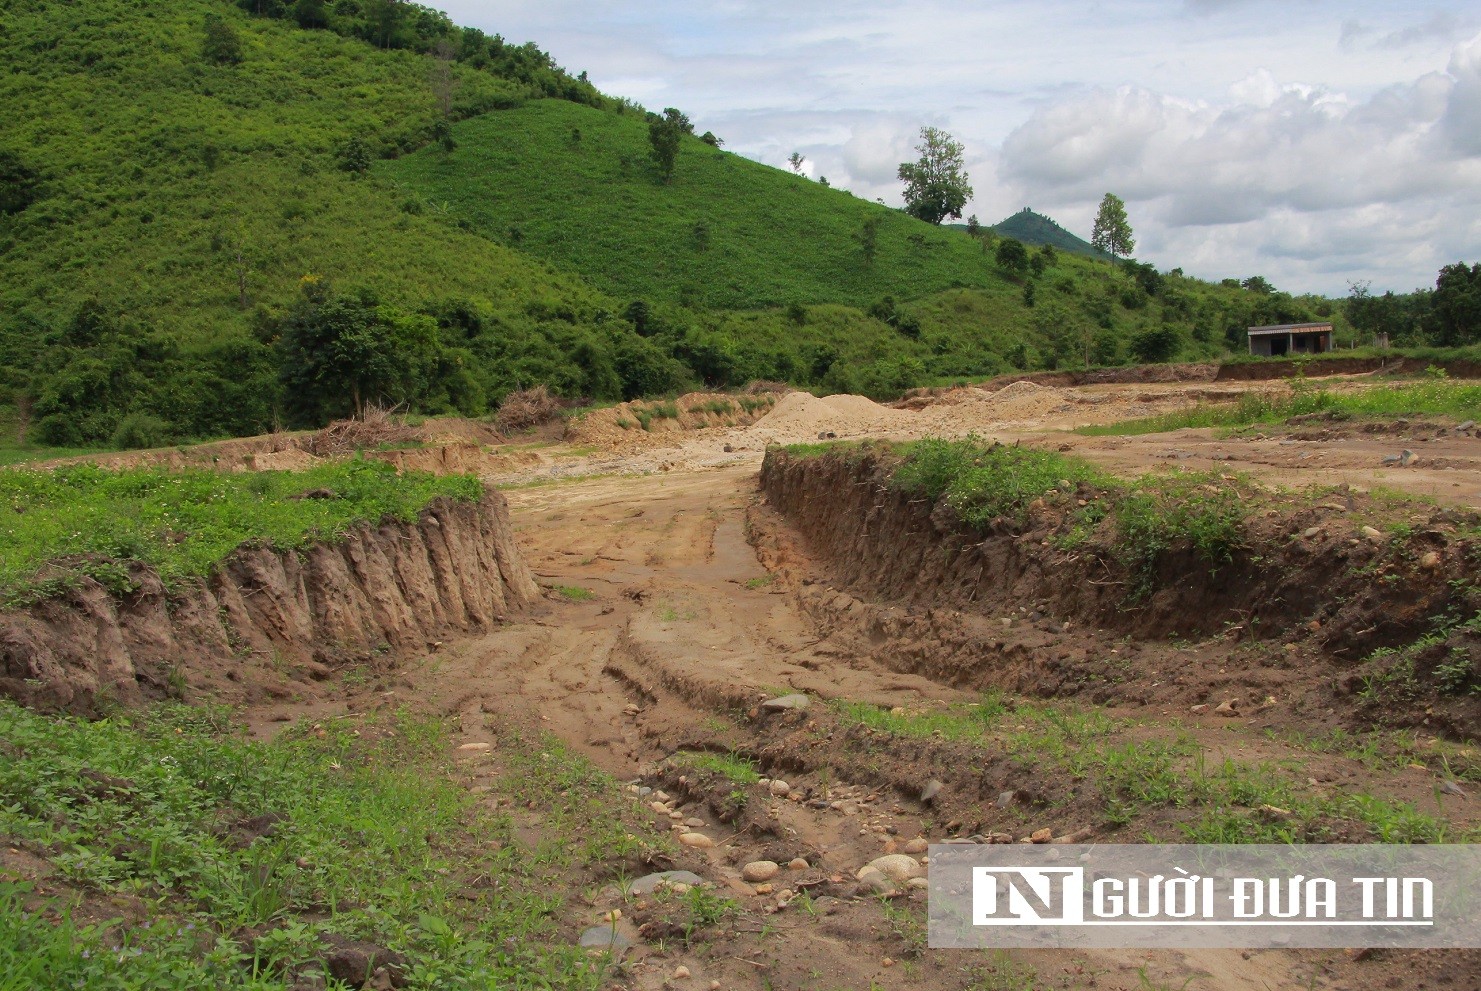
687	631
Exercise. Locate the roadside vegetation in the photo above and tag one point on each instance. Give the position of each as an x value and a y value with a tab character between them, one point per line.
245	864
59	525
1435	396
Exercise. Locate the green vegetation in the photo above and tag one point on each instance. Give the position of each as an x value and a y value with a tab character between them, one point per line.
348	828
1142	521
1434	397
732	767
56	526
1225	802
575	593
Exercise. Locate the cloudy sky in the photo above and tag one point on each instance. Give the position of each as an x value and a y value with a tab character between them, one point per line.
1310	141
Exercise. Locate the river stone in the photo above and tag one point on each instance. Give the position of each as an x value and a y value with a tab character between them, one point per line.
604	938
918	845
786	702
697	840
931	790
649	883
897	866
760	870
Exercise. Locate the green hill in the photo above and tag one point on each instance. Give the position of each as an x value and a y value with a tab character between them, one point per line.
1037	229
576	186
213	222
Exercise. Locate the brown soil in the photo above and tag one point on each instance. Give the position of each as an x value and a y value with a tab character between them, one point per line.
270	623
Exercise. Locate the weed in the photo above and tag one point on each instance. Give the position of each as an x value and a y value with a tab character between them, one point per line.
763	582
575	593
732	767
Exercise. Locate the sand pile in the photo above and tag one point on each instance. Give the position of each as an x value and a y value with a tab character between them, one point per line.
801	416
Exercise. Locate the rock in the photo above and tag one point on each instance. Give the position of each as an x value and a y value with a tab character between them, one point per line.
1041	835
918	882
612	916
1228	707
931	790
631	709
918	845
1199	709
1462	428
659	807
1451	788
697	840
784	702
681	972
797	864
1007	798
1371	534
693	823
779	788
1311	531
876	883
474	747
897	866
604	938
649	883
760	870
1430	561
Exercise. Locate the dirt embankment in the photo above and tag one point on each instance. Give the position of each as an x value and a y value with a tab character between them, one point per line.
642	423
1304	581
269	621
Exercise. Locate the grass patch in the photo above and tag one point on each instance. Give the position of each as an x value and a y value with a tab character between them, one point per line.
1234	802
575	593
1434	397
732	767
57	526
764	581
369	838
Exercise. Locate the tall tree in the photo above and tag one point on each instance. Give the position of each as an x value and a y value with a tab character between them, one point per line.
664	134
1455	316
936	184
1112	231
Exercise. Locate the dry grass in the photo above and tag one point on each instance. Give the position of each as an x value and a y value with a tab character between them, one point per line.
528	408
375	428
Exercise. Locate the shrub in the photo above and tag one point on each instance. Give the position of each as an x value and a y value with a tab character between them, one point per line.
142	430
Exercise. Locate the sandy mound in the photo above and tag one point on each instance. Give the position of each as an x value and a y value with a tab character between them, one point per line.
801	416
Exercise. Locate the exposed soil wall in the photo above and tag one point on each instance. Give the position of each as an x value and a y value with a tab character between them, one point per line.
883	544
389	589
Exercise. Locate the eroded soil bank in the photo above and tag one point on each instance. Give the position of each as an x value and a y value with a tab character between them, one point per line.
1297	613
267	620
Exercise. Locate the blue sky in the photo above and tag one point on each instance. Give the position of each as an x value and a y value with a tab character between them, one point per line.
1312	142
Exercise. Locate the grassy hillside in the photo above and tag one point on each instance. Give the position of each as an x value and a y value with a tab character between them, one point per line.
196	246
576	186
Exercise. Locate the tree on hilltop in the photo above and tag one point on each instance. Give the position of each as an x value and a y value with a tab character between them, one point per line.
936	184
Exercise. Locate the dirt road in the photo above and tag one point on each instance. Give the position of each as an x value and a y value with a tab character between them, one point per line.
684	633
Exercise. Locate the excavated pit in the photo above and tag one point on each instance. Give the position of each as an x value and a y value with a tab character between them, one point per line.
1288	615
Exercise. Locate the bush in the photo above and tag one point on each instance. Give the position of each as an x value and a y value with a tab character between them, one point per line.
141	430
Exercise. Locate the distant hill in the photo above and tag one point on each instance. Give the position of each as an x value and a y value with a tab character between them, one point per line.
1035	228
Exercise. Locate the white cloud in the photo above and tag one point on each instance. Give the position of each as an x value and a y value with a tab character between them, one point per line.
1311	142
